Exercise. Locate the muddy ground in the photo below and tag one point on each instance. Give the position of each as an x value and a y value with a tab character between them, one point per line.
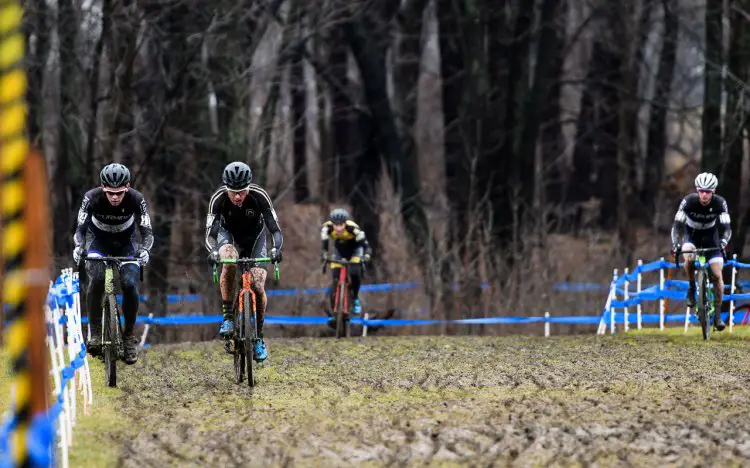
647	400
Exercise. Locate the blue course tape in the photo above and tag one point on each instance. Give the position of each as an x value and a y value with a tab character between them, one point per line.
323	320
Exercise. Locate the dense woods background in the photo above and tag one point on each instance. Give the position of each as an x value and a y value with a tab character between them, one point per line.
513	142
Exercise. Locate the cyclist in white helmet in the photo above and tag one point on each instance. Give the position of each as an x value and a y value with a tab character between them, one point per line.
702	221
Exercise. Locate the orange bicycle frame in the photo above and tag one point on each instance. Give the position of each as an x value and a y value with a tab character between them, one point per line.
247	281
342	280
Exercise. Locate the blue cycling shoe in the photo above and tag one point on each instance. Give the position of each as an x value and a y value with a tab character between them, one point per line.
357	309
227	328
260	352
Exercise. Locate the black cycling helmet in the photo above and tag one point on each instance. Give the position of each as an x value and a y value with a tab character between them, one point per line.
237	175
115	175
339	216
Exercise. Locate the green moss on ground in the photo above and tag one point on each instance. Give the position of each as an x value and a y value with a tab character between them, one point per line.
646	398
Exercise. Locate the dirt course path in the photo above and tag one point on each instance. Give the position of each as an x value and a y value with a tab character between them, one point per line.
649	400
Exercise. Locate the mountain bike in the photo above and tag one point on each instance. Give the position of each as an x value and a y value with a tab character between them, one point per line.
113	347
242	342
342	303
704	304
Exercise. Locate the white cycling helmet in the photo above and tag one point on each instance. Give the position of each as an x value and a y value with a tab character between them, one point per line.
706	181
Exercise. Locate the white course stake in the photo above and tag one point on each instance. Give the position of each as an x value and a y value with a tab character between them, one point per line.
546	324
610	296
638	288
687	318
731	291
364	325
626	326
612	309
145	330
661	300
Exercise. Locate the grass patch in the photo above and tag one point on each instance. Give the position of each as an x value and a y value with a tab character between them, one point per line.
98	436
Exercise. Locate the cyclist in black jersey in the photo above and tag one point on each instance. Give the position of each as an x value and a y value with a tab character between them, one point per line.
237	214
703	221
351	244
107	223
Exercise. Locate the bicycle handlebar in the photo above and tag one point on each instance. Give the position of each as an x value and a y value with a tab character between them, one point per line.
112	259
243	261
697	251
342	262
118	260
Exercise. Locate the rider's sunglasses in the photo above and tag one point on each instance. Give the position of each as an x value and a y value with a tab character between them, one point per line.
238	191
115	192
705	191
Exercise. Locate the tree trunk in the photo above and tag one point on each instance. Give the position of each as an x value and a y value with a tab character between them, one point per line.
656	141
406	72
553	170
65	176
37	24
297	85
711	121
344	120
94	80
736	121
537	99
516	189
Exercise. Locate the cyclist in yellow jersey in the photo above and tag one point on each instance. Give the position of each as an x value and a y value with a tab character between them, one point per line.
350	244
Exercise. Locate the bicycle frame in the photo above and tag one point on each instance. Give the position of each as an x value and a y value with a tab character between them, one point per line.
111	339
341	298
245	331
705	307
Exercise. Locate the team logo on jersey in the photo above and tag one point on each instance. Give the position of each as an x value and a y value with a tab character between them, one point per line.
250	213
145	218
83	212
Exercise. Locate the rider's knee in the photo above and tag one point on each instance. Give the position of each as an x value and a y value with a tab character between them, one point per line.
228	252
130	275
259	279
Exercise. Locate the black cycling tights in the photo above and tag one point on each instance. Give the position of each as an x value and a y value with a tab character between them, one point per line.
355	276
129	276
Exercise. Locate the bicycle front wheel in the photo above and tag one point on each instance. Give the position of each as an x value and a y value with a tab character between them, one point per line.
109	340
702	303
340	307
249	322
239	347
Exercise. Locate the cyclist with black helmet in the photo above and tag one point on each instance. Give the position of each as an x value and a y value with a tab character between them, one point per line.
107	223
350	244
703	221
237	214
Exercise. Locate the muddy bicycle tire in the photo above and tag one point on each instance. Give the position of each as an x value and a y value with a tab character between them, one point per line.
239	348
702	303
251	335
340	315
109	341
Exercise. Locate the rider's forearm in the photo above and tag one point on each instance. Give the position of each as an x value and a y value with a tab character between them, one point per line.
147	238
726	228
366	246
212	232
678	230
79	237
278	239
324	245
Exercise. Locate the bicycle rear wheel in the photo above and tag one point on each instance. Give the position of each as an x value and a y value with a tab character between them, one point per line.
250	337
702	303
109	341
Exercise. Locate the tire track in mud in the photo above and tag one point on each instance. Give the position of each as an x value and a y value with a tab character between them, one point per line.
417	401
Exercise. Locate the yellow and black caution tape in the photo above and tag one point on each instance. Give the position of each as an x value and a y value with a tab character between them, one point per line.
14	147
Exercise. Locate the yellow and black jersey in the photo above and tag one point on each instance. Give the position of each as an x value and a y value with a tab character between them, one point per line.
352	236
